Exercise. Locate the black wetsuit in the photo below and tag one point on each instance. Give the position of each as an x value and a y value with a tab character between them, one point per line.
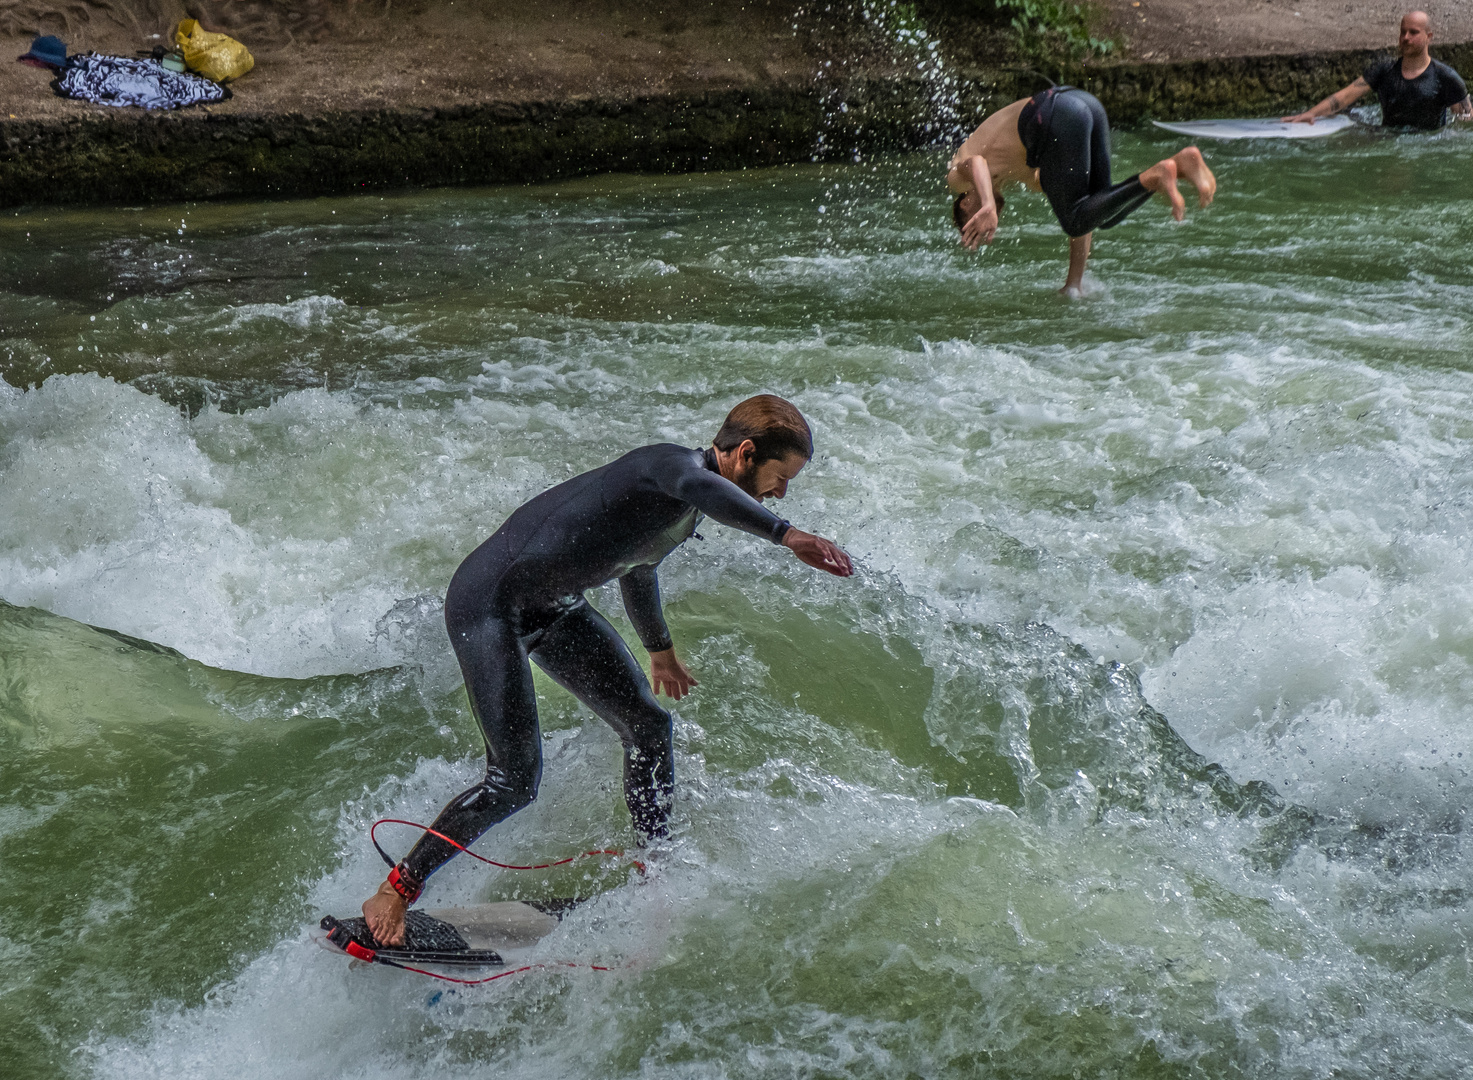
520	595
1067	137
1420	103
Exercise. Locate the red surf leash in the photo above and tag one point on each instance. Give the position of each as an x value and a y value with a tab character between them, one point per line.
491	862
493	978
371	956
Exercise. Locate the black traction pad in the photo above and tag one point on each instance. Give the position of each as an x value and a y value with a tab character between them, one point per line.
426	941
557	907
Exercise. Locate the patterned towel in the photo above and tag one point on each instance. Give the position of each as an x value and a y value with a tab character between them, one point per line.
117	80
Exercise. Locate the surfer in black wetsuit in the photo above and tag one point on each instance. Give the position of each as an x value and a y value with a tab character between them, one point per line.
1058	142
519	596
1415	90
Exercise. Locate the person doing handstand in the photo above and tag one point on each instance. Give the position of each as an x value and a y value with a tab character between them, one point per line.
1058	142
519	597
1415	90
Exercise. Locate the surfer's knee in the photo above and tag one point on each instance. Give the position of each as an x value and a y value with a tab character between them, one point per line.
502	796
504	791
519	788
647	725
523	797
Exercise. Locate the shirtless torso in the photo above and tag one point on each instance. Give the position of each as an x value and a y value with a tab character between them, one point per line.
996	142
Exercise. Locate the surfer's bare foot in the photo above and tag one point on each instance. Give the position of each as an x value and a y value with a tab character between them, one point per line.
1191	168
384	913
1161	178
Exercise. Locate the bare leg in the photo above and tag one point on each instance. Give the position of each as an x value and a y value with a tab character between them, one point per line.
1078	256
1191	168
1161	178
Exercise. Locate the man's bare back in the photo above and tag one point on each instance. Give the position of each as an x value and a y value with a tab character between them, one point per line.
996	141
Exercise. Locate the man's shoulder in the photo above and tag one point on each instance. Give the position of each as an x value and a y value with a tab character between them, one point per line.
663	449
1448	73
645	470
1378	68
656	449
665	456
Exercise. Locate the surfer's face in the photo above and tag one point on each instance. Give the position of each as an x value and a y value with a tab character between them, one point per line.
971	202
1415	34
769	479
970	205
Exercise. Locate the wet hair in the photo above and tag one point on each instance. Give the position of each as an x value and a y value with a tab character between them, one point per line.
961	218
776	428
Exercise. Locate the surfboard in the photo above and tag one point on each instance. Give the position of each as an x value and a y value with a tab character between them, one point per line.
474	936
1258	129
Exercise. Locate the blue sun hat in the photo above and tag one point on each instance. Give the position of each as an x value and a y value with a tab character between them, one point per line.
47	51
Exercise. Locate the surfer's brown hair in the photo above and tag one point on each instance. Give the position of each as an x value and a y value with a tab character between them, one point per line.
961	218
956	212
776	428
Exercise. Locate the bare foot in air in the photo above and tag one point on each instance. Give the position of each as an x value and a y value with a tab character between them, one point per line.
384	912
1191	167
1161	178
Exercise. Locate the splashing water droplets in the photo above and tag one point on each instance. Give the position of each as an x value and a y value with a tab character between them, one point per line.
894	31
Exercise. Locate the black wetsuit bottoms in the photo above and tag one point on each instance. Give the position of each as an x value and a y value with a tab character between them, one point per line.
587	657
1067	137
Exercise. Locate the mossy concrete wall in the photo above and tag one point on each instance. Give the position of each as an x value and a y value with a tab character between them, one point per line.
1242	86
133	157
139	157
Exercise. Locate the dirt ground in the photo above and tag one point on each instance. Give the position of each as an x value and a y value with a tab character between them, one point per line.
324	55
1159	30
401	54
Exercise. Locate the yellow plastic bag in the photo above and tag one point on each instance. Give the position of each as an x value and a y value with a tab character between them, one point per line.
215	56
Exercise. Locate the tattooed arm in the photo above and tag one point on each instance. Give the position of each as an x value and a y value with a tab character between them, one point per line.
1333	105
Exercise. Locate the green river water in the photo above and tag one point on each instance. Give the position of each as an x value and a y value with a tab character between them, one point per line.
945	819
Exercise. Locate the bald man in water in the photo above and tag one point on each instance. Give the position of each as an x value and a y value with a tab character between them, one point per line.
1058	142
1416	91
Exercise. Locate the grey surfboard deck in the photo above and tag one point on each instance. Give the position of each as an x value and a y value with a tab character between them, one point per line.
509	924
1258	129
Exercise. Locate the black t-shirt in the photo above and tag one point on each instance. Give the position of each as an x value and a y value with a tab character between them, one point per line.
1416	103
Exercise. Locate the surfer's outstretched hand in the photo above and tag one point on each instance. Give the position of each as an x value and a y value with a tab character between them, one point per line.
818	553
384	913
980	228
669	676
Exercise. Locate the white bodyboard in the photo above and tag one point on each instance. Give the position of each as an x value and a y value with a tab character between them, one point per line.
1258	129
